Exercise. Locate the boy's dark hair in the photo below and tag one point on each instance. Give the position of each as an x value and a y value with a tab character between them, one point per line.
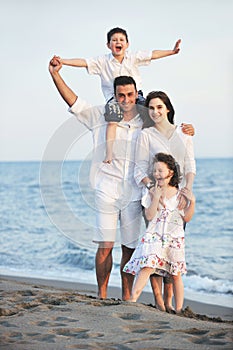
124	80
172	165
166	101
114	31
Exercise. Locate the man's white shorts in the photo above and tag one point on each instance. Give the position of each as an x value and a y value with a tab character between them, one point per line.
110	212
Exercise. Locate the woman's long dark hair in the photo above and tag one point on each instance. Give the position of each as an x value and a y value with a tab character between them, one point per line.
158	94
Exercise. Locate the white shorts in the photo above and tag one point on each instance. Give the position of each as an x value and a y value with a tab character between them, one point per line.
109	212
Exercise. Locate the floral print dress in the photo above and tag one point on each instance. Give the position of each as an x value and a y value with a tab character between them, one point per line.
162	247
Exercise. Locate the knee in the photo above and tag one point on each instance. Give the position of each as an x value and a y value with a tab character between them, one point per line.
104	250
176	277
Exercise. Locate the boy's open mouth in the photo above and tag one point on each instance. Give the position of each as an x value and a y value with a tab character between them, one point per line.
118	47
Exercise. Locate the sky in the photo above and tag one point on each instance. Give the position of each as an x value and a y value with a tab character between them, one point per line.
198	80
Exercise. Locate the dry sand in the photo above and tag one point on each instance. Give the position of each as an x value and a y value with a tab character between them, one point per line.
40	314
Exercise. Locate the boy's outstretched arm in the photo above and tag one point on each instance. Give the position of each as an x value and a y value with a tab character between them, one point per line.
164	53
74	62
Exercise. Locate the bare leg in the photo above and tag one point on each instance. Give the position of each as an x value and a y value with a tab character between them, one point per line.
140	283
156	282
110	137
167	295
103	263
178	292
126	278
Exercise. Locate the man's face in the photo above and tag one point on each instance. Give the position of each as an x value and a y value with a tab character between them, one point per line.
126	96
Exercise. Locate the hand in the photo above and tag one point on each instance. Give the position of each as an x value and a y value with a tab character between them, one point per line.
55	61
188	129
187	194
157	193
182	201
54	65
107	160
177	47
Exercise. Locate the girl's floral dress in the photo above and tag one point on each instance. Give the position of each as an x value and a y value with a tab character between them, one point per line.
162	247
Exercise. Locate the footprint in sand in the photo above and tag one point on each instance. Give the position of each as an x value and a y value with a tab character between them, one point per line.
127	316
79	333
209	338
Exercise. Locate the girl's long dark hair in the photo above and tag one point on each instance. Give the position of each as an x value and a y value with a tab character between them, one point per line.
172	165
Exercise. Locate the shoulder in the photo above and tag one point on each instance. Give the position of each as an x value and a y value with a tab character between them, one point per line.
79	106
148	131
100	58
143	54
87	114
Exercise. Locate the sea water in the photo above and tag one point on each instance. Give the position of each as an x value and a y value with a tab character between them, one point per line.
48	219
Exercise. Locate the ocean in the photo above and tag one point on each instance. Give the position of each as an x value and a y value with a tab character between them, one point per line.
47	223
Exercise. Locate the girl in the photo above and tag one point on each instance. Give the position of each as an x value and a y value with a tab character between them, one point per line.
161	249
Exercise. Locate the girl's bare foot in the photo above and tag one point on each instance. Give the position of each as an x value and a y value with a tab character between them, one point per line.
170	309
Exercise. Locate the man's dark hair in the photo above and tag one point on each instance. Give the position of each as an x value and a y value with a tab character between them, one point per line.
114	31
124	80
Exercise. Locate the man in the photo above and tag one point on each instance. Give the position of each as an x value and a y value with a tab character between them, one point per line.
117	195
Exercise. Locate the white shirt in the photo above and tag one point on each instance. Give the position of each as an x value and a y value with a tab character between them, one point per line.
108	68
116	179
151	141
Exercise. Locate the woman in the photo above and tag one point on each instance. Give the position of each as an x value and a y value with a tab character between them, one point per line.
163	136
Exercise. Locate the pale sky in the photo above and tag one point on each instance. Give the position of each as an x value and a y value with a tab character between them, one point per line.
198	80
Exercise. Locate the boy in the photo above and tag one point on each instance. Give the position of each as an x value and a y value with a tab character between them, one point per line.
109	66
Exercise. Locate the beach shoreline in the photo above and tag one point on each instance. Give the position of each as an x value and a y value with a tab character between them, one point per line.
47	314
198	307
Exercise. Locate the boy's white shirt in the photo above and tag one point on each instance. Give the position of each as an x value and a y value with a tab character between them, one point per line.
108	68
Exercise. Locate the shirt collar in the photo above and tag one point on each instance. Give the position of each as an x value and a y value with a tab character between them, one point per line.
134	122
112	58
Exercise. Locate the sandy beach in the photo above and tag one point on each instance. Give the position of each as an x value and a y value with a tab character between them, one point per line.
45	314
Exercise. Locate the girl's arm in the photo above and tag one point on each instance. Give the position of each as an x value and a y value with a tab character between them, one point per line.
151	211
